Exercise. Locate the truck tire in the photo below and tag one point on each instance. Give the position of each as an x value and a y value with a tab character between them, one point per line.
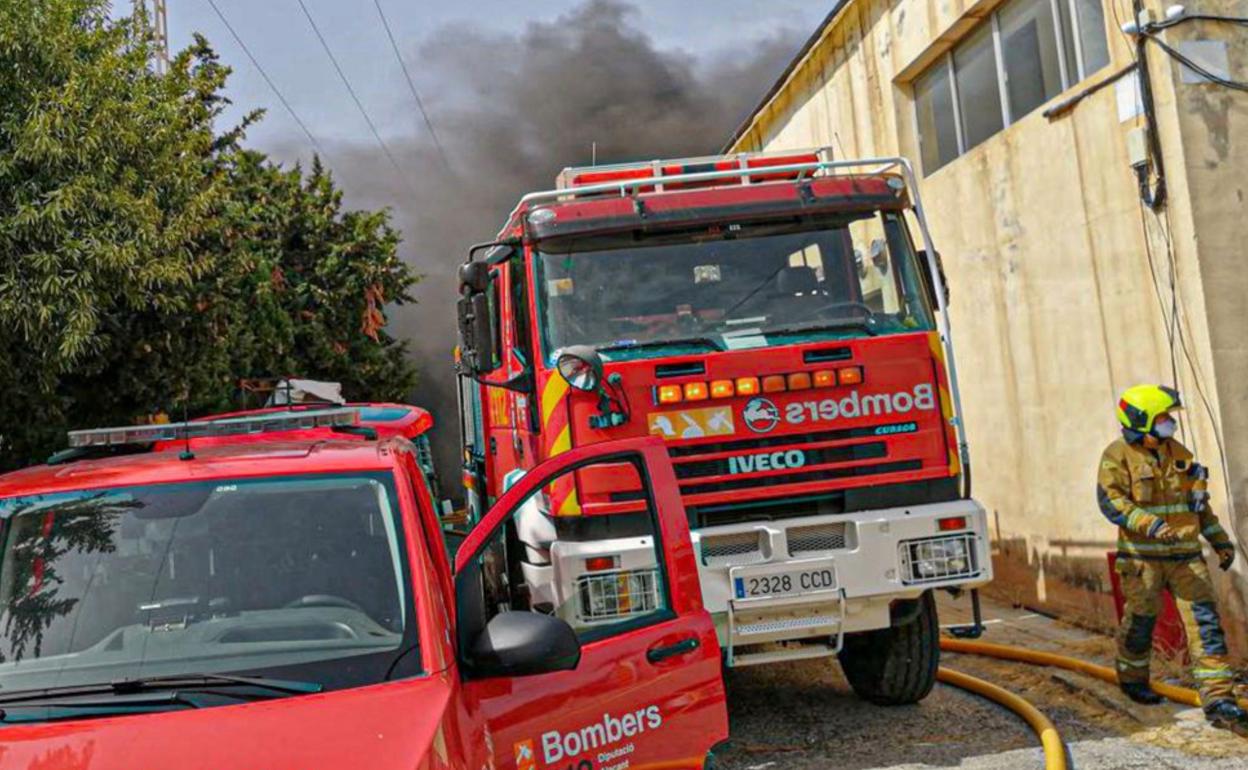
895	666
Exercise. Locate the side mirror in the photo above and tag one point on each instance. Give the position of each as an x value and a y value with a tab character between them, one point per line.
931	280
474	277
580	366
476	332
525	643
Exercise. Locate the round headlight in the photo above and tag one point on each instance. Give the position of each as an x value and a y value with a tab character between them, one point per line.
580	366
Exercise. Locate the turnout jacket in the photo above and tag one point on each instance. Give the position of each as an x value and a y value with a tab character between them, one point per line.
1139	489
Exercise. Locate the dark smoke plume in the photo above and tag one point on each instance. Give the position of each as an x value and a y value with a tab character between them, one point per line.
514	109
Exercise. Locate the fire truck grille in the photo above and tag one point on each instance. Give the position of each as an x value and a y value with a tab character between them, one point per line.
771	442
617	595
840	454
825	474
738	548
820	537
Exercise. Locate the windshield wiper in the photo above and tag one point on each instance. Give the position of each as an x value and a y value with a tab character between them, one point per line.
159	683
704	341
820	326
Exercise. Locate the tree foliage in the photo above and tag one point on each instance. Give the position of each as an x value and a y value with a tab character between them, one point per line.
148	261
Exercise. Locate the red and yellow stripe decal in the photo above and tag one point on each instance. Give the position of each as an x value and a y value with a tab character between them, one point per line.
946	401
557	435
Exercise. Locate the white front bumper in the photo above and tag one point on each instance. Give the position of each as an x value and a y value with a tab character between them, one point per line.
868	551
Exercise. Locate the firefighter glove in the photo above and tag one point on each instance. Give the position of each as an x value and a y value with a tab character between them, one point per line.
1165	533
1226	557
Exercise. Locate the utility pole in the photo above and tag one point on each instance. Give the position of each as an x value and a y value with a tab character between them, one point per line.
160	26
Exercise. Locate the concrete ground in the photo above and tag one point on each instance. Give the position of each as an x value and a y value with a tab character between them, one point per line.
804	715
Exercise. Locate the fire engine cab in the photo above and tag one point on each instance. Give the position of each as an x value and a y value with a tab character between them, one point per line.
773	320
272	589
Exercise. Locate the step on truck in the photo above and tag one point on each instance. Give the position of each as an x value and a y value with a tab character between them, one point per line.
774	320
272	589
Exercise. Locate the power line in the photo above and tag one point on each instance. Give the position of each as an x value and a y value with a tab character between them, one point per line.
276	91
411	84
354	97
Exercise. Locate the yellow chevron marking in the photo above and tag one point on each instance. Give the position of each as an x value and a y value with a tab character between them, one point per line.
556	388
563	442
571	506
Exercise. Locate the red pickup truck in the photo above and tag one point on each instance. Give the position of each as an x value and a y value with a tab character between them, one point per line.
274	590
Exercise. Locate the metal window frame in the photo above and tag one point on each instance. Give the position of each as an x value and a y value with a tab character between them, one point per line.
1003	88
1077	37
1054	6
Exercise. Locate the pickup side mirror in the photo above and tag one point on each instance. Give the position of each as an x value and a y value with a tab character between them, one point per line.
524	643
931	279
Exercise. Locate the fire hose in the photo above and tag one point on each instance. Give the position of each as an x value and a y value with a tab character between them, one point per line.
1181	695
1050	741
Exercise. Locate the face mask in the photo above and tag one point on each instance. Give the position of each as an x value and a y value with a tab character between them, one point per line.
1165	428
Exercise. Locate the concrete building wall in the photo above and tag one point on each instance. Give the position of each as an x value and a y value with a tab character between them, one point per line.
1056	306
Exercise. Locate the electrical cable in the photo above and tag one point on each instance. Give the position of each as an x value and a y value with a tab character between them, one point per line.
1197	68
1166	24
411	85
351	90
272	86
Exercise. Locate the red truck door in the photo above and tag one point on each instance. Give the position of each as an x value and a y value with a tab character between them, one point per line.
647	691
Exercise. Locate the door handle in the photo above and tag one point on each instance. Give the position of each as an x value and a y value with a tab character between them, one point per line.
659	654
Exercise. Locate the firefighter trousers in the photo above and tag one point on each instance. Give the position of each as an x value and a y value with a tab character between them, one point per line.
1190	585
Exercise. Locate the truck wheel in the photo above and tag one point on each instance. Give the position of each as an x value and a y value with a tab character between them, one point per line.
895	666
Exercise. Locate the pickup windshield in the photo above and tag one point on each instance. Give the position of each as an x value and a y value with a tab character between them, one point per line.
732	287
295	578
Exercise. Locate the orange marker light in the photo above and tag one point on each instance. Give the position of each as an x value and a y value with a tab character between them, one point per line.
773	383
850	375
747	386
696	391
721	389
952	523
669	394
799	381
825	378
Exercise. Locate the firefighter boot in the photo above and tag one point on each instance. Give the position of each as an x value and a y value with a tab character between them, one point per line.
1227	715
1140	692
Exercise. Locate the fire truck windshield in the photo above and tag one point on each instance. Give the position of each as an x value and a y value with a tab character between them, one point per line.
295	577
732	287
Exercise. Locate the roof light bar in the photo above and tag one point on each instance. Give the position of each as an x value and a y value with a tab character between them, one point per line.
276	422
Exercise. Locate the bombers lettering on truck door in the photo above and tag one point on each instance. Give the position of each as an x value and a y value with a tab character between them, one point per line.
558	745
923	398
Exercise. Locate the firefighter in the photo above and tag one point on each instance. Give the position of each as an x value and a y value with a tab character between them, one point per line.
1150	487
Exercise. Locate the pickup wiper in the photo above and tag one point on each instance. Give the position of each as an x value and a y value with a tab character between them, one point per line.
822	326
633	345
173	683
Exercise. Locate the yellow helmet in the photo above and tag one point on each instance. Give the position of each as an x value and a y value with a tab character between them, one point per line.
1140	406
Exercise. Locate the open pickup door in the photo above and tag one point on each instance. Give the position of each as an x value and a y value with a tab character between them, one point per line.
612	665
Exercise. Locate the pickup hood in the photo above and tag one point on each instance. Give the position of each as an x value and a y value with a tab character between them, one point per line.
395	725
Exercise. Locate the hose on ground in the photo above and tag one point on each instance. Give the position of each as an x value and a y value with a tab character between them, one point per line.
1050	741
1183	695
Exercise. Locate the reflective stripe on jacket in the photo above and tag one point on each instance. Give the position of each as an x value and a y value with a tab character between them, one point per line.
1139	489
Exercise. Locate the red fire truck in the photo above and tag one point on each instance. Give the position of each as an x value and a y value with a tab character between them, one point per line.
772	318
272	590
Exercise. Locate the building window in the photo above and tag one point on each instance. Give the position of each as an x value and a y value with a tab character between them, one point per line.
1024	54
938	129
979	89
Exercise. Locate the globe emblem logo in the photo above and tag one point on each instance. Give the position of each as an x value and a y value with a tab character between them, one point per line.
761	415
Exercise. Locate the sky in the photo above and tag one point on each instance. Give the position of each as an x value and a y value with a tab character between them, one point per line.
279	36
